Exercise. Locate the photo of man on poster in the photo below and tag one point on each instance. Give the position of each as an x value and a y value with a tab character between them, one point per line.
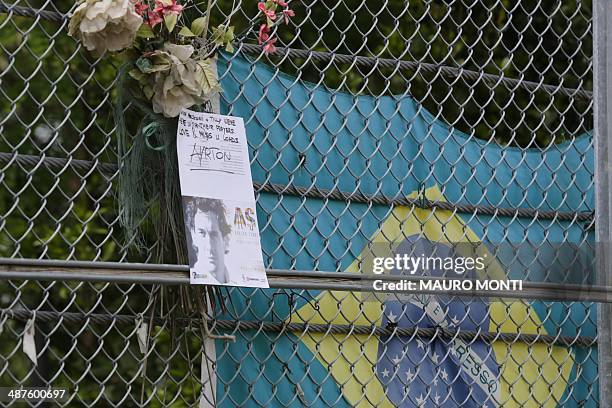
208	234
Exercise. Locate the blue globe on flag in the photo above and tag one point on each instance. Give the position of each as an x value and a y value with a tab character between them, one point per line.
436	371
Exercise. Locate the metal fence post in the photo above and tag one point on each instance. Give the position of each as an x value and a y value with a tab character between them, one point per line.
602	87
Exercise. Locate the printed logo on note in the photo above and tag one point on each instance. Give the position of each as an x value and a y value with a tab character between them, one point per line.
218	201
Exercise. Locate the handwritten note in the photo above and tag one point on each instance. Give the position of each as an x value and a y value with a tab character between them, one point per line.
218	201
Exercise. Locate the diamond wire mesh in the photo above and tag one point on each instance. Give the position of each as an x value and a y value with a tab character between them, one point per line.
516	74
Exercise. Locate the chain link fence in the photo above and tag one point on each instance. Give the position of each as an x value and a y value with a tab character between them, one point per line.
422	123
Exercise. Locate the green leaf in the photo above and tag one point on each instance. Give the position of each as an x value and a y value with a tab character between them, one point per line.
197	27
224	36
145	31
148	92
129	54
137	74
186	32
218	35
228	36
170	21
143	64
208	78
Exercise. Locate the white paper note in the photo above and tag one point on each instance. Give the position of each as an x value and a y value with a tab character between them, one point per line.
218	201
29	344
142	333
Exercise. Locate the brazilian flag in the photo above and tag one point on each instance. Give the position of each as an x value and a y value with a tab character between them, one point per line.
305	135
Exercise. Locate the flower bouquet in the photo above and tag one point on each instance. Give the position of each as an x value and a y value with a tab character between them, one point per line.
168	51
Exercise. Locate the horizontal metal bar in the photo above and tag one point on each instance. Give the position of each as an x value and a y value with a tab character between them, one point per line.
314	192
302	328
361	60
57	270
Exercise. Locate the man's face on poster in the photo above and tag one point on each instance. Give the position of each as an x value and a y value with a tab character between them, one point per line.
209	243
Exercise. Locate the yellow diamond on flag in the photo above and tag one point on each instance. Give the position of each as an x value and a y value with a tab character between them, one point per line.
530	375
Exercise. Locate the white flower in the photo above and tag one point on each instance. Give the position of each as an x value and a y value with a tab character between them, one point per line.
181	81
105	25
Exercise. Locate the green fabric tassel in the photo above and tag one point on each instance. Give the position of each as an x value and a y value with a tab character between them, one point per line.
148	178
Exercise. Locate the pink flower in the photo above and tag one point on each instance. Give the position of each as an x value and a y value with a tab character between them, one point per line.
288	13
281	3
263	36
163	8
269	46
268	13
154	18
141	8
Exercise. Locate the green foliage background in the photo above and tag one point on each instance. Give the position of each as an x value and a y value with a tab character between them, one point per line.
47	82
